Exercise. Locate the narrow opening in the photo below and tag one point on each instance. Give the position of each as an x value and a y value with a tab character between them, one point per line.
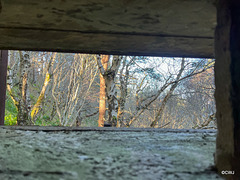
87	90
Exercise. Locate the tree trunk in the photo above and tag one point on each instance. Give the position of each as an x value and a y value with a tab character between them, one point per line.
23	117
123	90
166	98
102	94
111	92
40	99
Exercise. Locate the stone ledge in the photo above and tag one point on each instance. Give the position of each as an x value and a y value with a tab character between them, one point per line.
108	129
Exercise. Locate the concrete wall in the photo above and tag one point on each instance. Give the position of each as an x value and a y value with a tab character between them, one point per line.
131	27
227	80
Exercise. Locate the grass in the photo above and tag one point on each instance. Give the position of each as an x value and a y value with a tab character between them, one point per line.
10	112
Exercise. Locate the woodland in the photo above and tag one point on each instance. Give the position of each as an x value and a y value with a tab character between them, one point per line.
87	90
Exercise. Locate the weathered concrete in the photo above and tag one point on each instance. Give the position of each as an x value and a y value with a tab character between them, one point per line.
3	83
135	27
108	129
106	154
227	81
158	27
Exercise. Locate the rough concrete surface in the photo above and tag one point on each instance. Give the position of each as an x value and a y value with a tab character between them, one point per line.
130	27
94	155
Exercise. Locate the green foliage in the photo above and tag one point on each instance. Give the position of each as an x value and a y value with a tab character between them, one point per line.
10	112
89	122
45	121
10	120
32	98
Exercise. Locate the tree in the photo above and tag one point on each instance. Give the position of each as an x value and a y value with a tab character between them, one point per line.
40	99
168	95
192	103
167	81
124	82
102	63
72	82
200	99
107	77
23	103
63	89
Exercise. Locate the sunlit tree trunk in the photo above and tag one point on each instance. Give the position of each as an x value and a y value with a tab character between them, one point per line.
109	74
40	99
102	94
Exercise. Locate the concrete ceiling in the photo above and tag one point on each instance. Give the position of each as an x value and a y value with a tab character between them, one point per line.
131	27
